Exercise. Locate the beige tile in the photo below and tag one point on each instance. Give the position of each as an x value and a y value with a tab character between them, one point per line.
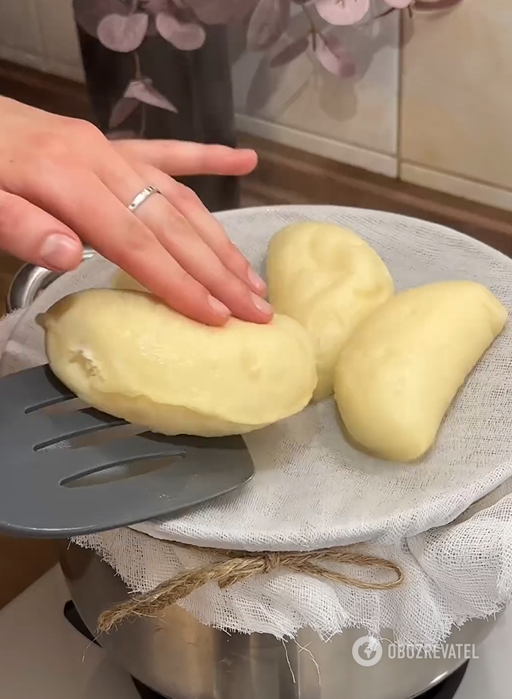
23	58
305	99
342	152
458	186
59	38
457	93
19	29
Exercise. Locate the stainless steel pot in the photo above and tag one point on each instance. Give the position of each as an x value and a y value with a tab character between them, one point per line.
175	655
30	281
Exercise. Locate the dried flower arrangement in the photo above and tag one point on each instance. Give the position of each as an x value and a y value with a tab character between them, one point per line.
123	25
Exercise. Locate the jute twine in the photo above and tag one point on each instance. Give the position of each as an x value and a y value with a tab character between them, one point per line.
237	566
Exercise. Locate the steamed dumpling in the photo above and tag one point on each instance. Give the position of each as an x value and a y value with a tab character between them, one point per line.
402	368
131	356
329	280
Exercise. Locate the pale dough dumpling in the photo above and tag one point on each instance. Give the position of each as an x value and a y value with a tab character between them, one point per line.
129	355
329	280
398	375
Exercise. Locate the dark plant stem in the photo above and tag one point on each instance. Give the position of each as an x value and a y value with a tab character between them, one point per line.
313	31
143	119
138	71
386	13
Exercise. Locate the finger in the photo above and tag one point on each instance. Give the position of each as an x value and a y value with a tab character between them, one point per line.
79	199
198	158
209	229
181	240
181	158
34	236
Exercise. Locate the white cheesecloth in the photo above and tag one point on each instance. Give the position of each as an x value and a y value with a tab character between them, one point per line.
313	490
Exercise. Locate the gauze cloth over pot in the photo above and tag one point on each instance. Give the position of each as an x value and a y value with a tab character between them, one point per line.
446	521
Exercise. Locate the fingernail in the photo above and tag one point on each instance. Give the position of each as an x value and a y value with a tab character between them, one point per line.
262	305
218	306
60	252
256	281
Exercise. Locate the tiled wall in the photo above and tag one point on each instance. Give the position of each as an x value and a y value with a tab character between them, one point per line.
436	113
40	34
456	107
353	120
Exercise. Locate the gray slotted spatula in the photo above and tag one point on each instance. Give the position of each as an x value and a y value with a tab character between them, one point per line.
50	492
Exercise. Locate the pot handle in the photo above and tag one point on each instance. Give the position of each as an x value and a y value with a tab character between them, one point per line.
31	280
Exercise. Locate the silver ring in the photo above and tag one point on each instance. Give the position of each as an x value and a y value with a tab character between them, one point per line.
141	197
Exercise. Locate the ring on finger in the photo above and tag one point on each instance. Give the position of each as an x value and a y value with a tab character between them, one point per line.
142	197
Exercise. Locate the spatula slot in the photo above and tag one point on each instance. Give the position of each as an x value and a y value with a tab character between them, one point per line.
121	476
100	430
46	389
59	406
122	471
46	404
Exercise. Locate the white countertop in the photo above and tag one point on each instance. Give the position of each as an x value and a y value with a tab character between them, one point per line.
43	657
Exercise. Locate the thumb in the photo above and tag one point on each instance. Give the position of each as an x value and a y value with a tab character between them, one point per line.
33	235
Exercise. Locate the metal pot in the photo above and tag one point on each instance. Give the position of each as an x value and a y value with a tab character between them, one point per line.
180	658
175	655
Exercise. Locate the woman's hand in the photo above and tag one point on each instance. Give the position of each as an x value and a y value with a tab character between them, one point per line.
62	181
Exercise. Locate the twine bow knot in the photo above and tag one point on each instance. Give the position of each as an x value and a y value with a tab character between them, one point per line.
237	566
